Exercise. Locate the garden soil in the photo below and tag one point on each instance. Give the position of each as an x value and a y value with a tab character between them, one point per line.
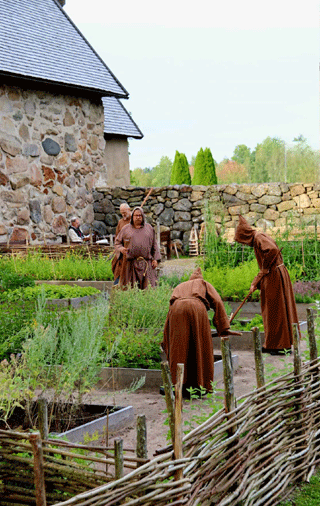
152	404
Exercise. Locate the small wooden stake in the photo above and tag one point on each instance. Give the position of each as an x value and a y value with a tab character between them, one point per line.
168	390
43	418
178	454
118	458
142	451
107	438
311	334
230	400
296	351
258	357
39	482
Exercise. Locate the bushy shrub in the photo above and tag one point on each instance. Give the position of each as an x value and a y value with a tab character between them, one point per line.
233	284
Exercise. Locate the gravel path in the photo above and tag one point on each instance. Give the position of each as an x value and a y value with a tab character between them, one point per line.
177	266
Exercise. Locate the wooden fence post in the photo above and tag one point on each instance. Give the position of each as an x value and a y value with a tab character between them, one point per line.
43	418
178	454
311	334
168	390
230	400
118	458
142	451
258	357
39	482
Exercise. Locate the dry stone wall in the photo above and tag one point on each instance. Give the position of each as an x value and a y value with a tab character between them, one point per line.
179	208
51	154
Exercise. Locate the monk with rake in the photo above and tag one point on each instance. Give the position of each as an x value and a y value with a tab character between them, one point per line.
277	300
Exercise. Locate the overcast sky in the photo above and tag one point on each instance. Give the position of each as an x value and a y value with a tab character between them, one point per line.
207	73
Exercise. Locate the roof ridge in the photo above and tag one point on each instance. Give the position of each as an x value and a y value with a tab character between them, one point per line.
92	49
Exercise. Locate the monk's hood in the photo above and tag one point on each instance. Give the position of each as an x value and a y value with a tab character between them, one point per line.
197	274
244	233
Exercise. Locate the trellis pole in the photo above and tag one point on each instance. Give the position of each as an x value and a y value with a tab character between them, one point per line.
118	458
168	390
142	451
178	454
229	396
39	482
258	357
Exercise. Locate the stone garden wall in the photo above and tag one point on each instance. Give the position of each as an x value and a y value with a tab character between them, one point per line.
179	208
51	154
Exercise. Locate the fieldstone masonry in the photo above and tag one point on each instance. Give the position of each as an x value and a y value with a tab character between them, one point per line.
179	208
52	150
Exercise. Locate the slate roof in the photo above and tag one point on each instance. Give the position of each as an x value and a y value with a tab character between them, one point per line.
39	41
117	120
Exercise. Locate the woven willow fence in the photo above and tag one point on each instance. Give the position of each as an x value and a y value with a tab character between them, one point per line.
249	453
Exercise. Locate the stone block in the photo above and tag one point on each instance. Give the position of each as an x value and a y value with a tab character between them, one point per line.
297	189
51	147
302	201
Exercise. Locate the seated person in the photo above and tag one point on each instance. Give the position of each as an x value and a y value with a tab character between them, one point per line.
75	233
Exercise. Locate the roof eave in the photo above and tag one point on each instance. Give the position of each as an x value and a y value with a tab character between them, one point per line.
19	79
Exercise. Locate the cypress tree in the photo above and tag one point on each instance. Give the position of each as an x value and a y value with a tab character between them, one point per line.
174	171
210	168
204	168
199	168
180	170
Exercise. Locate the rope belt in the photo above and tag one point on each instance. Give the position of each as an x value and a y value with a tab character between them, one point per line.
141	258
280	265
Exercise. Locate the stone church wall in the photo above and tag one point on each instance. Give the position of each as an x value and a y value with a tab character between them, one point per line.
179	208
52	151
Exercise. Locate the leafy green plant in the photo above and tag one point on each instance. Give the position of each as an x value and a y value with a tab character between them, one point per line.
233	284
135	348
64	355
50	291
73	266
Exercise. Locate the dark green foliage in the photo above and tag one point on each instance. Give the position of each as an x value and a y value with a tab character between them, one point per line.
204	168
180	170
50	291
199	168
210	169
14	317
9	280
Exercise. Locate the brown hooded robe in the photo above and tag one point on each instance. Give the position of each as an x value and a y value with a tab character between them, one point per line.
116	263
187	334
142	249
278	305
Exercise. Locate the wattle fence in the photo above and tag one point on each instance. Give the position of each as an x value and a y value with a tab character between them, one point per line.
250	453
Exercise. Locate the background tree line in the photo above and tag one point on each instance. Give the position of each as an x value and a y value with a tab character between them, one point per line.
271	161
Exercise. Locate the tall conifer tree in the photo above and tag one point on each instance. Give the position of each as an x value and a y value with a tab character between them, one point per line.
204	168
180	170
199	168
210	168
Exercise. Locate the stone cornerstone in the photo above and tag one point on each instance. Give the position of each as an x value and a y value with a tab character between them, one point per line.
52	150
179	208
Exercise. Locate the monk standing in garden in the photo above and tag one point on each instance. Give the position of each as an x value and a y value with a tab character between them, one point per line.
187	335
277	300
116	263
137	243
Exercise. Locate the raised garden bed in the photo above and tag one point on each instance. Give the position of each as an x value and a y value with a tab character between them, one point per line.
118	378
252	308
74	302
87	420
245	341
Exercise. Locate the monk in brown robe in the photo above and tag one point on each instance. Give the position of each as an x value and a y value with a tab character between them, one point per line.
117	260
277	300
187	335
137	243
